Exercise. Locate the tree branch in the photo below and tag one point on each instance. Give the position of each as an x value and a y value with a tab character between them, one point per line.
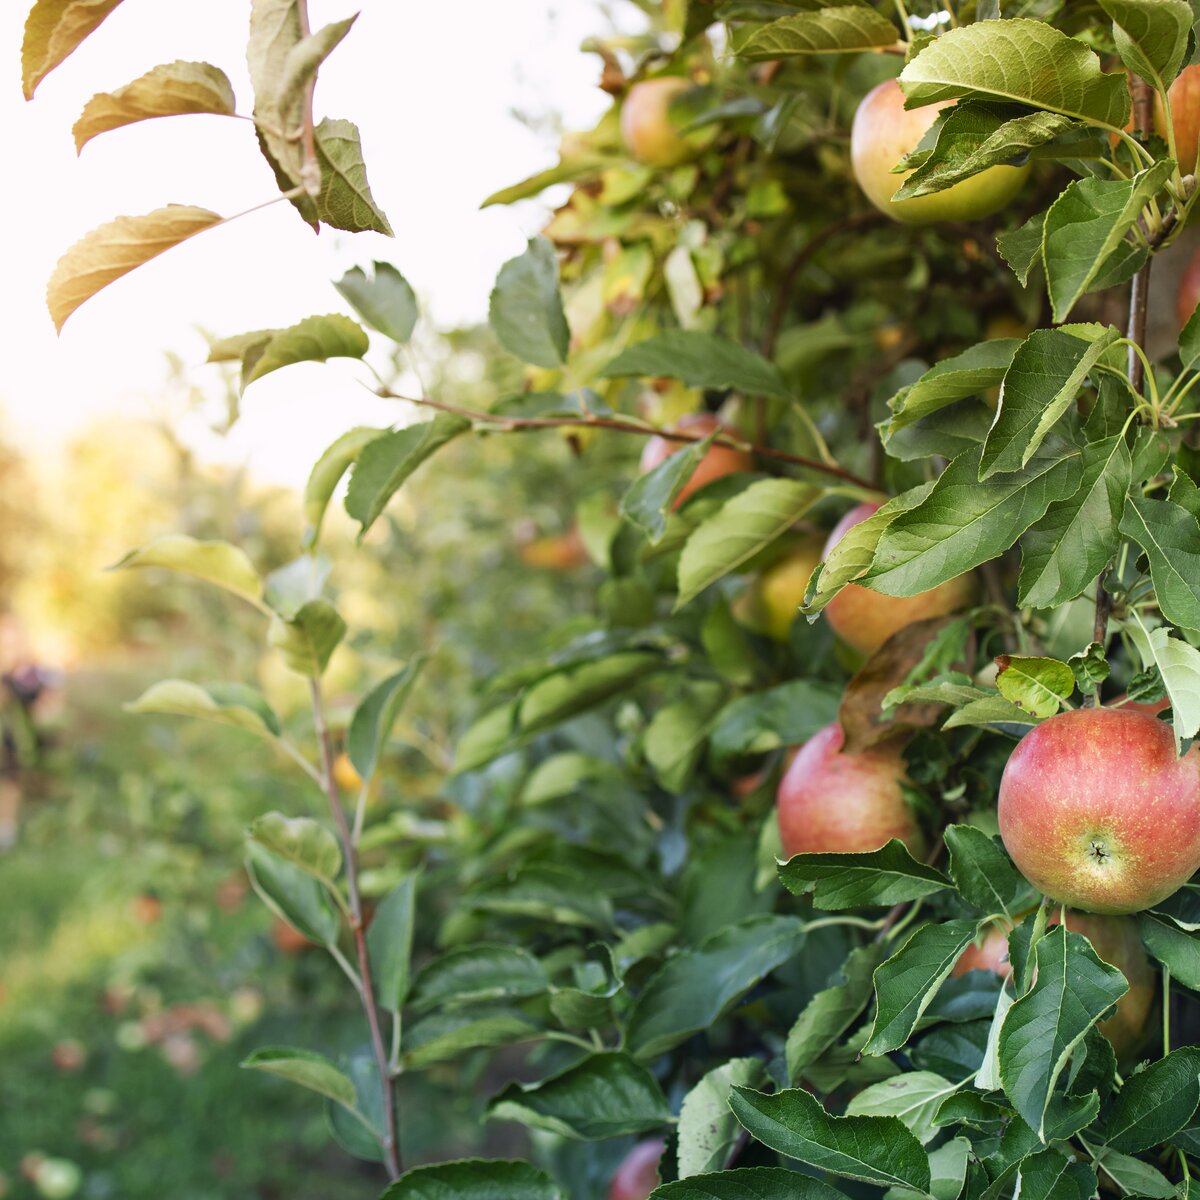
509	424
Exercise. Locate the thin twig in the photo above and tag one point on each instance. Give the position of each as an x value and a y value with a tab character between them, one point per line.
510	424
391	1149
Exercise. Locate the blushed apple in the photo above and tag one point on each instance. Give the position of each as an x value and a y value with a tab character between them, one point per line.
637	1176
650	134
1098	813
717	462
830	801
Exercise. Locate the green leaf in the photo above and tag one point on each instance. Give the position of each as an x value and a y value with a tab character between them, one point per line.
837	29
1189	341
389	942
550	894
970	373
1170	536
447	1035
170	90
303	842
384	299
345	200
315	339
374	718
384	464
913	1097
53	30
877	1150
651	495
701	360
1038	685
1173	947
327	473
1050	1175
739	529
218	563
830	1012
695	988
605	1095
106	253
674	740
563	172
475	1179
907	983
526	307
478	973
992	712
964	521
1064	552
883	877
708	1130
1071	990
786	715
226	703
1155	1103
300	67
1087	224
1151	35
1021	248
1047	372
1178	664
1133	1176
981	870
292	894
1018	60
973	136
308	639
747	1183
306	1068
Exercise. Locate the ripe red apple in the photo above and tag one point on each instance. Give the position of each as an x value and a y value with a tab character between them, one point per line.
884	131
1188	295
637	1176
1184	95
649	133
1098	813
833	802
717	462
864	619
1115	940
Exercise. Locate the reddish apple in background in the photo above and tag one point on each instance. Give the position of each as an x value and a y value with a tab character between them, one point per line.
1115	940
864	619
637	1176
834	802
884	131
1098	813
649	133
1184	95
717	462
772	601
1188	295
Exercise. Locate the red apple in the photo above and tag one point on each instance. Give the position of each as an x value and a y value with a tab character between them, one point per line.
1115	940
884	131
864	619
1098	813
834	802
1188	295
1184	95
637	1176
716	463
649	133
555	551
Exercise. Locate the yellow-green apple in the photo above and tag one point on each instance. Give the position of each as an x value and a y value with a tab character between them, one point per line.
650	134
717	462
1115	939
864	619
884	131
637	1176
772	601
1098	812
831	801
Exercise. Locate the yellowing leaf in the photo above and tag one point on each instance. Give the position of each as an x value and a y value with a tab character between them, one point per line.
110	251
53	30
219	563
170	90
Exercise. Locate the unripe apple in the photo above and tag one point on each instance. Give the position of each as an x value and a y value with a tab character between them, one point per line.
1098	813
649	133
637	1176
864	619
830	801
1115	940
884	131
717	462
345	774
1188	295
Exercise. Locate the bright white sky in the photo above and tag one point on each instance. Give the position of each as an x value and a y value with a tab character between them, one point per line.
431	88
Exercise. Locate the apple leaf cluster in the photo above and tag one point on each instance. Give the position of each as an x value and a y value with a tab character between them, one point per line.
608	889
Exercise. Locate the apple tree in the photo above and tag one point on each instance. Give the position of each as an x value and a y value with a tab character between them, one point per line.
843	844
